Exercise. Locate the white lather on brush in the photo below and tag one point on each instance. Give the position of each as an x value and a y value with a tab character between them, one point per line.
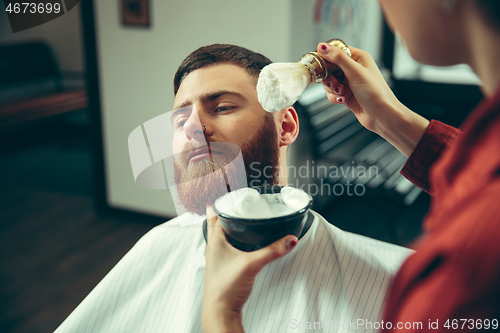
281	84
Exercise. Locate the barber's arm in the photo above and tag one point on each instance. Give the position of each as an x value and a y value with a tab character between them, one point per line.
230	275
365	92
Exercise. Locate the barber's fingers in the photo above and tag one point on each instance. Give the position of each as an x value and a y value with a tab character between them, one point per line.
352	67
276	250
345	98
333	85
337	90
215	232
254	261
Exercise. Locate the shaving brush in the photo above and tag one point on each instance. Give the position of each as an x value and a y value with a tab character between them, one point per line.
281	84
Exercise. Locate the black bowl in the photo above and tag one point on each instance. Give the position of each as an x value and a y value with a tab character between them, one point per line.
253	234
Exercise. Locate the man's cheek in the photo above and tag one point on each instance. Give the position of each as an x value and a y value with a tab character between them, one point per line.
178	148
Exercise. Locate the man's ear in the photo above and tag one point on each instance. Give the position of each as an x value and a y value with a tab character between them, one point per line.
288	126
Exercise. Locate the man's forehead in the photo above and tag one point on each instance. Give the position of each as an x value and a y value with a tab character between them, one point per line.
218	77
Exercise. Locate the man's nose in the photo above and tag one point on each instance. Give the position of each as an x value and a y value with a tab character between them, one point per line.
193	128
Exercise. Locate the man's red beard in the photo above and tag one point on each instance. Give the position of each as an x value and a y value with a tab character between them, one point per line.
200	183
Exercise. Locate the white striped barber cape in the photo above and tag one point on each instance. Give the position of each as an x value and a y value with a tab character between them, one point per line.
329	281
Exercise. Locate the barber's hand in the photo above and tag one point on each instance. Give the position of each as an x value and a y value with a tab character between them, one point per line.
365	92
230	276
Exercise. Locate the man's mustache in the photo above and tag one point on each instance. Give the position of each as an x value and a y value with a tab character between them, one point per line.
212	146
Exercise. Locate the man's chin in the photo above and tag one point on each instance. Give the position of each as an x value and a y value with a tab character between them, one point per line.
195	196
196	170
199	186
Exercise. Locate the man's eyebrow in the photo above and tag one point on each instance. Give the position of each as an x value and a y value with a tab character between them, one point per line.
212	96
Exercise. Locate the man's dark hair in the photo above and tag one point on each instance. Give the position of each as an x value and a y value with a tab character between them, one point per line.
491	9
208	55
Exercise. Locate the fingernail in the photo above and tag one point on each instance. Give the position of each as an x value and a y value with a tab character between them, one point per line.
339	90
329	84
290	243
340	100
325	48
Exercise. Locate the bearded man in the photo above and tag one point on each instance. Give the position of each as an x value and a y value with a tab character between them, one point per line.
215	90
332	279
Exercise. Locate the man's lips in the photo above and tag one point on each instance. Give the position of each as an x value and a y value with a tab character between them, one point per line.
200	154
